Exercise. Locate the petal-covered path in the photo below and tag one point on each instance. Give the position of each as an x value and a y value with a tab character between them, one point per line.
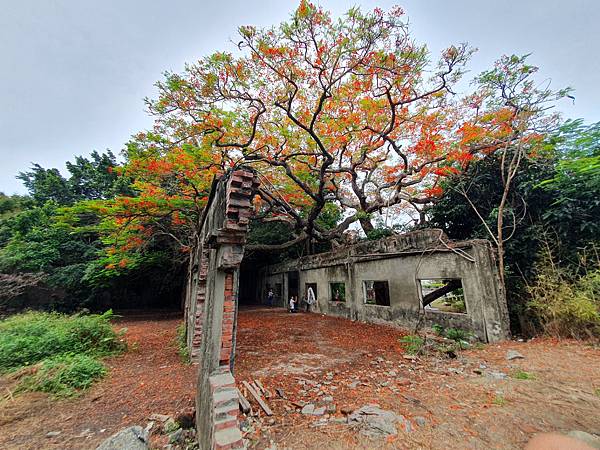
477	400
473	401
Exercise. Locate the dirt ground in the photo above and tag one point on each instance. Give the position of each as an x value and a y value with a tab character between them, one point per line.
149	378
460	401
456	403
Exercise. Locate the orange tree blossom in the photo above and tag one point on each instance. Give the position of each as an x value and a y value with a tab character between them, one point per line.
350	111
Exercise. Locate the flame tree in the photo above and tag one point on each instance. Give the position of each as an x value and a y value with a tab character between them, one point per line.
348	111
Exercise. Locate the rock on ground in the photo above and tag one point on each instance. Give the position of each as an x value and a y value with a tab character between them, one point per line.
130	438
513	354
308	409
373	421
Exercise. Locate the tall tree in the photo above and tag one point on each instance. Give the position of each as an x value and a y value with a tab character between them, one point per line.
90	178
510	89
349	111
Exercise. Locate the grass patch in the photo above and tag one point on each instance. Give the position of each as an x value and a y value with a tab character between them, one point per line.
458	335
597	392
412	343
522	375
62	352
499	400
64	375
566	305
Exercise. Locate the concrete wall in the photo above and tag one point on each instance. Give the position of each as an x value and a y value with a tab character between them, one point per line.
402	261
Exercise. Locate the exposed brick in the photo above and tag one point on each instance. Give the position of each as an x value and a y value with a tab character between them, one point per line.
222	379
228	439
224	399
228	214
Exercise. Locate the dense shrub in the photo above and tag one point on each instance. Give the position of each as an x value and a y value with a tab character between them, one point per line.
29	338
64	375
566	305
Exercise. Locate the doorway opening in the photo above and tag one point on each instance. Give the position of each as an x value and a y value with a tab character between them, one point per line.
293	279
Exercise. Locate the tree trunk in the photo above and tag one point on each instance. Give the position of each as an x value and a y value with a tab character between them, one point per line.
447	288
366	225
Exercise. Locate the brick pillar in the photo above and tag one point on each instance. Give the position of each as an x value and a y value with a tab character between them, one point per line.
200	298
227	435
226	354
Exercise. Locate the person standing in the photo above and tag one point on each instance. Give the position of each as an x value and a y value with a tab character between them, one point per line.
270	296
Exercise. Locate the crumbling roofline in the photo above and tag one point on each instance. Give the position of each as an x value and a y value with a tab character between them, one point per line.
299	264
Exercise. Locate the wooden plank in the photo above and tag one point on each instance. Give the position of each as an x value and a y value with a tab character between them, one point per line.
244	403
258	399
264	391
260	386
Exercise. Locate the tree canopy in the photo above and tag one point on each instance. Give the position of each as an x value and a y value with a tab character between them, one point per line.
345	120
350	111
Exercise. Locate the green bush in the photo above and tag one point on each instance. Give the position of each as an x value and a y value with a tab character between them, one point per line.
457	334
63	351
29	338
522	375
566	305
64	375
412	343
438	329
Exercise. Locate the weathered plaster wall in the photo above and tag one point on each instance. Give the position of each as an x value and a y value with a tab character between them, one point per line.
211	307
402	261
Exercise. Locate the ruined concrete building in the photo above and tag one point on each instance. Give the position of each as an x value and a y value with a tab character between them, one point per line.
419	278
397	280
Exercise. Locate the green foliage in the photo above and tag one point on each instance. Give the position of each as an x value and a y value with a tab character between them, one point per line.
522	375
39	244
29	338
412	344
12	205
379	232
272	233
499	400
57	233
46	185
575	187
566	305
457	334
184	353
64	375
329	216
89	179
438	329
556	196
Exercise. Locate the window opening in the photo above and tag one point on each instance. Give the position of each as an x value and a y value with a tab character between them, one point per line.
338	292
377	292
443	295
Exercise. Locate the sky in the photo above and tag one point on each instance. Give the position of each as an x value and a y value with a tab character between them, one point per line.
74	73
